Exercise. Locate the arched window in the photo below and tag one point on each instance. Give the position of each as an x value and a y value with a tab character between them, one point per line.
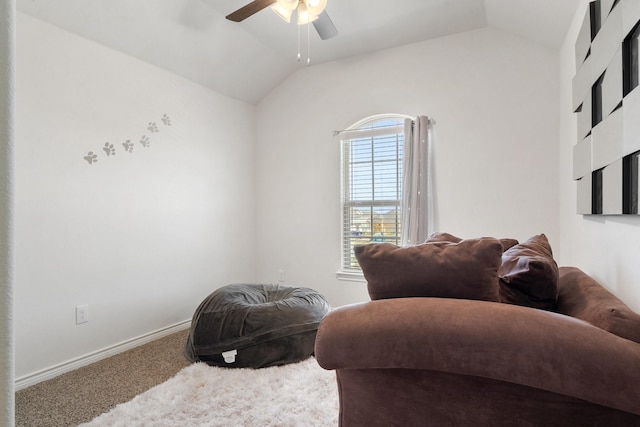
372	152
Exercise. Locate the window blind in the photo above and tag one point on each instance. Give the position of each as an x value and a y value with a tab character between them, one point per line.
372	187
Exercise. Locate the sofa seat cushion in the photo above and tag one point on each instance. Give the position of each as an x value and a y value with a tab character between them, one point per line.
582	297
467	269
529	274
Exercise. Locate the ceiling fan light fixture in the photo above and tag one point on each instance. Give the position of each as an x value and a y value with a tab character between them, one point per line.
289	5
284	9
282	13
315	7
304	14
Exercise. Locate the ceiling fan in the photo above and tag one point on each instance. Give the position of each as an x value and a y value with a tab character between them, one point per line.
307	11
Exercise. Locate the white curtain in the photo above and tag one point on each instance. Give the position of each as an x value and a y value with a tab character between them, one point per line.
417	194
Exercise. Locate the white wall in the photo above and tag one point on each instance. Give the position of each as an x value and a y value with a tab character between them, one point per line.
606	247
143	237
7	110
140	237
494	98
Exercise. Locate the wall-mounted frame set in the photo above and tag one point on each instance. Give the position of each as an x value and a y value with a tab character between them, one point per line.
606	98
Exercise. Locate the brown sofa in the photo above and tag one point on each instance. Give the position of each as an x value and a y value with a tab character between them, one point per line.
425	361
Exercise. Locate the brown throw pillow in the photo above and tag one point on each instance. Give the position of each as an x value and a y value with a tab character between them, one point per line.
529	274
440	236
467	269
580	296
508	244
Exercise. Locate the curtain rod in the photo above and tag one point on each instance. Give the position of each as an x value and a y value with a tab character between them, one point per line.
338	132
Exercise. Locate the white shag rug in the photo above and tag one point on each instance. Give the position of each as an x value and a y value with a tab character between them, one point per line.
299	394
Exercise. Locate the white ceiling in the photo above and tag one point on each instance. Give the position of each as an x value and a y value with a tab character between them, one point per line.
246	60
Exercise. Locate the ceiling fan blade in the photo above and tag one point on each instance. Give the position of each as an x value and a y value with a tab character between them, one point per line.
248	10
324	26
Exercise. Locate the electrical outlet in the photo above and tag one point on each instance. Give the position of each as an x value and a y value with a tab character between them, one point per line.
82	314
282	275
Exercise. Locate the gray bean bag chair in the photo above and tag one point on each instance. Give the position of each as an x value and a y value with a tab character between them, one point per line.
255	326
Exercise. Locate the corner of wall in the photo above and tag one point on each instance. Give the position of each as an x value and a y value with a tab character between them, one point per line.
7	48
567	132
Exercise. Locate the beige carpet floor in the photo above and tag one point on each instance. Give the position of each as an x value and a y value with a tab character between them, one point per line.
81	395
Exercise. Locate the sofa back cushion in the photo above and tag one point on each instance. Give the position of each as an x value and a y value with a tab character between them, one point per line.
529	274
467	269
580	296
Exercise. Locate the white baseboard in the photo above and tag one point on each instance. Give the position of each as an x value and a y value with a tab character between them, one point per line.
54	371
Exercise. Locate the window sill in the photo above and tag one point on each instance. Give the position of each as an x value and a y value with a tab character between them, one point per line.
350	276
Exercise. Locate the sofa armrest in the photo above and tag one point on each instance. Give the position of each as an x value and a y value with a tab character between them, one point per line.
580	296
503	342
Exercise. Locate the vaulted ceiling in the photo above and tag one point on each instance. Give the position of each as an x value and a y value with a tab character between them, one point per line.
246	60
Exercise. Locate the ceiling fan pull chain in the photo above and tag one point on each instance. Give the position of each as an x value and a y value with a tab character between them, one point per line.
298	42
308	44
